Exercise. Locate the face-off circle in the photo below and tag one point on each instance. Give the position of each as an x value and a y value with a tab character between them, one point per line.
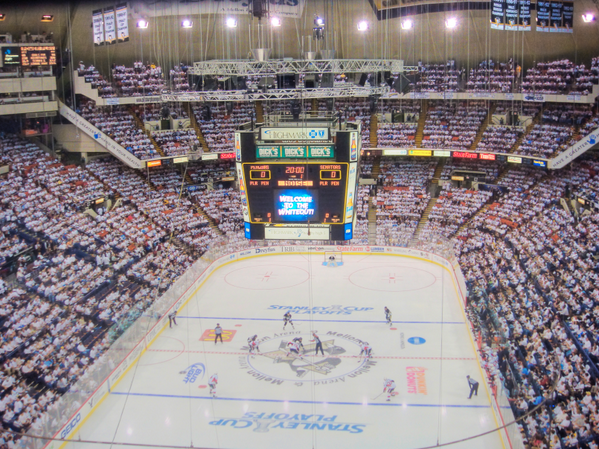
340	358
392	278
267	277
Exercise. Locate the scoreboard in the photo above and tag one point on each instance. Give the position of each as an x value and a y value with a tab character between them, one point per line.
284	192
293	187
29	55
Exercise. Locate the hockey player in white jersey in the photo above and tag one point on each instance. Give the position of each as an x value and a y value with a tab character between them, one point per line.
212	384
389	388
366	350
253	348
293	348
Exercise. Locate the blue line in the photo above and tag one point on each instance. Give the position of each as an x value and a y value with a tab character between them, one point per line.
313	321
295	402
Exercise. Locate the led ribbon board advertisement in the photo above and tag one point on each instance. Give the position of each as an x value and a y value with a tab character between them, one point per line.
296	205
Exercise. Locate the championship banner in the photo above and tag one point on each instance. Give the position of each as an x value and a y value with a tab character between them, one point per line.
98	27
122	23
292	9
524	15
568	17
511	15
109	26
543	16
497	14
555	19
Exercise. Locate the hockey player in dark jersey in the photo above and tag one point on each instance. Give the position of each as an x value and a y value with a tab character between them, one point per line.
287	319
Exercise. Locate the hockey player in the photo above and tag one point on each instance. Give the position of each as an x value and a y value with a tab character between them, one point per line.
388	316
253	345
287	319
389	388
366	350
300	344
253	339
212	384
293	348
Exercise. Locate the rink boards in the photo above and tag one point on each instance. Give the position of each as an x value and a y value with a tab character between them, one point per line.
339	332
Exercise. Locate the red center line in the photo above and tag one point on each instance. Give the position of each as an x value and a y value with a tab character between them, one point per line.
336	356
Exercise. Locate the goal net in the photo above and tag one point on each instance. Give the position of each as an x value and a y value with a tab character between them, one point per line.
333	258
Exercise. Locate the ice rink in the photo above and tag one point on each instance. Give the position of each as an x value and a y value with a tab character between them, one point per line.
335	401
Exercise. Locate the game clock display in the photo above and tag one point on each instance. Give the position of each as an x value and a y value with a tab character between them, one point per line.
296	193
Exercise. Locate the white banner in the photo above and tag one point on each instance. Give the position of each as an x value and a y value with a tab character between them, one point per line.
98	26
287	8
114	148
122	23
296	233
109	26
575	150
294	133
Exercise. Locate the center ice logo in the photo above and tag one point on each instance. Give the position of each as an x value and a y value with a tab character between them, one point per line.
274	365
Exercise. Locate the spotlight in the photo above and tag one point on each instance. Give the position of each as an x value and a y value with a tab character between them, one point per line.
47	18
275	22
363	25
586	18
318	21
142	23
451	23
231	22
407	24
2	17
186	23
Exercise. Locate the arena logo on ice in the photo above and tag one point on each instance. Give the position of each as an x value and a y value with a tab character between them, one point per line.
275	365
330	310
262	422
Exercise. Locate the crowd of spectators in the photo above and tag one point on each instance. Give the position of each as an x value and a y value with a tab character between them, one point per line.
453	125
557	130
531	263
152	112
401	198
402	133
177	142
118	123
218	125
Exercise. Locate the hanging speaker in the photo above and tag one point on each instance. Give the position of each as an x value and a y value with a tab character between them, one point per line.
401	84
363	79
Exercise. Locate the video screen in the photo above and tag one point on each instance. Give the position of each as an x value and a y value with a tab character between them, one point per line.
296	205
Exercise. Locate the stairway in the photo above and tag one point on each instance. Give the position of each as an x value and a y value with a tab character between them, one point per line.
371	220
376	167
483	127
424	219
503	173
374	126
259	112
141	126
196	127
536	120
438	170
208	218
421	120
